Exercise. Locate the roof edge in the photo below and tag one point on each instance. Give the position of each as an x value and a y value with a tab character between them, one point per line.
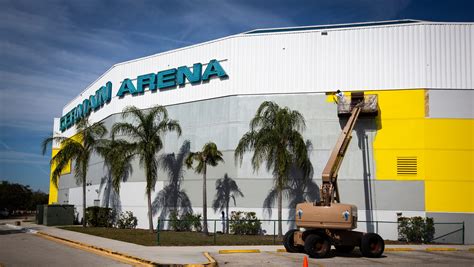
335	26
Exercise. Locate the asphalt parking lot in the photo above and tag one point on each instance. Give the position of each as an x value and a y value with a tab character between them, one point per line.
399	258
18	248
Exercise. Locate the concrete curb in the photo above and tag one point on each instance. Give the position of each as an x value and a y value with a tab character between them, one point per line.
212	262
442	249
398	249
106	252
230	251
125	257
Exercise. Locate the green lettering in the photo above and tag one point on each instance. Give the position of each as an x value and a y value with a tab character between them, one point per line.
167	78
147	80
79	112
103	95
62	124
192	76
126	87
86	106
213	69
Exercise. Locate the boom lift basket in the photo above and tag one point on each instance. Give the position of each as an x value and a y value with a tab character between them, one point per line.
369	104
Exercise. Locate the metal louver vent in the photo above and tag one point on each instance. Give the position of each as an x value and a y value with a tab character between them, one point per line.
407	165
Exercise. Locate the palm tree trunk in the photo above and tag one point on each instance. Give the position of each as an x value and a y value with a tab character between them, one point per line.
150	217
107	192
227	218
84	202
204	201
280	200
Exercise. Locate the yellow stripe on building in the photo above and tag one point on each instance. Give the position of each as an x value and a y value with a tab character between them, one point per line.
53	190
443	149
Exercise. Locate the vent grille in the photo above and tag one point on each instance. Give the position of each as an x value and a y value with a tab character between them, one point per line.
407	166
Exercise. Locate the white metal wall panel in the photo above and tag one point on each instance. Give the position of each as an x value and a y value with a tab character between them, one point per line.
417	55
449	55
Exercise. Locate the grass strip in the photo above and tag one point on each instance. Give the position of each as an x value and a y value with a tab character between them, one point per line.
171	238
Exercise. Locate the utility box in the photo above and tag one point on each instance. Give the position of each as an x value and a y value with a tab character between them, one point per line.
58	215
39	214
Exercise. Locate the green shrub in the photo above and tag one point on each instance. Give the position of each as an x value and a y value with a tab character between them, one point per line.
126	220
185	222
416	229
244	223
429	230
99	217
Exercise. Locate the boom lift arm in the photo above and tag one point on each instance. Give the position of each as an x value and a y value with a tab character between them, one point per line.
329	189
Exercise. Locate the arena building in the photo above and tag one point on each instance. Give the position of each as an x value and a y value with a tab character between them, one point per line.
421	71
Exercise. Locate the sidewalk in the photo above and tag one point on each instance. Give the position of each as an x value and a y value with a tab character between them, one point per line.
162	255
188	255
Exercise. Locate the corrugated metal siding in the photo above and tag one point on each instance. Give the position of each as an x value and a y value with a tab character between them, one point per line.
449	56
421	55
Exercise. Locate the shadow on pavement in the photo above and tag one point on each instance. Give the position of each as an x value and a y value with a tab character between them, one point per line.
354	254
11	231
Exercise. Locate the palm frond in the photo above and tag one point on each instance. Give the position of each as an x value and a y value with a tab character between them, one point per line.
246	143
49	141
158	112
127	129
132	111
69	151
168	126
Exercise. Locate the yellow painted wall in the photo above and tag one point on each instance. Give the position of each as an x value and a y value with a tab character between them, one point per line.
444	148
400	132
53	190
449	182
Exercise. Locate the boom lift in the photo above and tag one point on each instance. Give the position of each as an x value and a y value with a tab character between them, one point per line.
329	222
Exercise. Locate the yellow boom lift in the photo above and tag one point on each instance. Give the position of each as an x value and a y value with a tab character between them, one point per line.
329	222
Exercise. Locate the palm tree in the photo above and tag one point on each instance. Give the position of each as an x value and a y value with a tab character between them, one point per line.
117	156
145	133
209	155
275	138
77	151
226	189
298	190
171	197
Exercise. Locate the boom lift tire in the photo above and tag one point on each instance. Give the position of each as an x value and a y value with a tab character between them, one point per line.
317	246
289	242
372	245
344	249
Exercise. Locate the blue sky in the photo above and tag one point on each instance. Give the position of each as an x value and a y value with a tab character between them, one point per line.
51	50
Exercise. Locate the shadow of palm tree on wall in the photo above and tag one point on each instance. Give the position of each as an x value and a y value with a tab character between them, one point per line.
110	196
226	189
171	197
119	168
117	163
299	189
